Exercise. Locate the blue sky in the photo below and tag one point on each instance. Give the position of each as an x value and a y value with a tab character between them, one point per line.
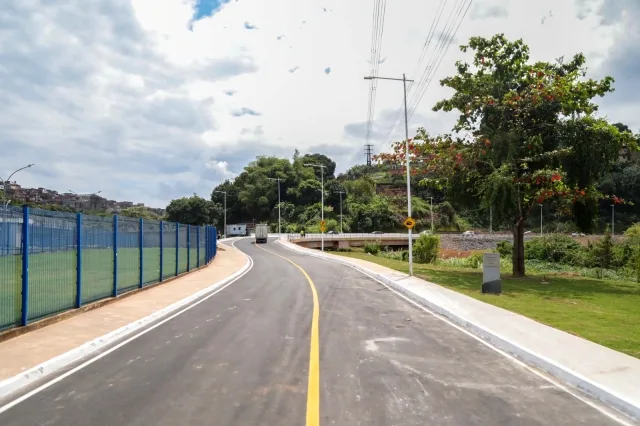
205	8
151	100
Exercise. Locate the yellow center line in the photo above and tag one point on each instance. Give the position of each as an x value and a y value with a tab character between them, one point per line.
313	389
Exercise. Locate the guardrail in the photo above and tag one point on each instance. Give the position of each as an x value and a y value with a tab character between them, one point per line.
51	261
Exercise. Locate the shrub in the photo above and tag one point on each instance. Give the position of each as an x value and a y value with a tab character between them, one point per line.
372	247
475	260
425	249
505	248
603	252
554	248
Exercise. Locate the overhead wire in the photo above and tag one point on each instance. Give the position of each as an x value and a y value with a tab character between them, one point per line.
445	42
446	37
377	31
434	23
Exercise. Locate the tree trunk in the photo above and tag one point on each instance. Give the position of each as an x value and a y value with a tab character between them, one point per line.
518	248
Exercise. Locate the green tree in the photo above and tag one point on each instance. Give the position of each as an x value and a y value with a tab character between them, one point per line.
140	212
330	165
519	124
192	210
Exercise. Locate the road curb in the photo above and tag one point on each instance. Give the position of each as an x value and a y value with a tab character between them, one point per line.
26	378
527	356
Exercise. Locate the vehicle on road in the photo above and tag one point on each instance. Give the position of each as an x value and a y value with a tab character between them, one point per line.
262	232
377	232
236	230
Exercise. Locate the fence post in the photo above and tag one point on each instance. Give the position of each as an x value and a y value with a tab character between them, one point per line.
161	249
198	246
25	265
115	255
177	246
188	247
141	253
214	234
206	247
78	260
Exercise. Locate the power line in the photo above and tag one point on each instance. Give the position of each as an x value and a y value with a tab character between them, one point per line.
446	36
425	47
379	11
444	42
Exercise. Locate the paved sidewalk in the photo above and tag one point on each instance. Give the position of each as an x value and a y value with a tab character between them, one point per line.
33	348
610	376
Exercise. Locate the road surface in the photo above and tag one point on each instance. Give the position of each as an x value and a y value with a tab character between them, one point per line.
247	356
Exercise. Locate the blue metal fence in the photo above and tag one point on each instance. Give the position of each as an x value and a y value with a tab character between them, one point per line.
54	261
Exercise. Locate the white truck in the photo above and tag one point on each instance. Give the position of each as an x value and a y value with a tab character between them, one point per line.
262	232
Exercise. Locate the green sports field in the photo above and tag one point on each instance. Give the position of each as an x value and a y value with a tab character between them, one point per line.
52	278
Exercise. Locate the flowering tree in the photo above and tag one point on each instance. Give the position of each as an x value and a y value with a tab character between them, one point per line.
525	134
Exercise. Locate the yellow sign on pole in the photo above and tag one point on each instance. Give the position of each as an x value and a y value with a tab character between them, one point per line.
409	223
323	225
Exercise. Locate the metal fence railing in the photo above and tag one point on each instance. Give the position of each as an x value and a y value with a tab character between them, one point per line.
51	262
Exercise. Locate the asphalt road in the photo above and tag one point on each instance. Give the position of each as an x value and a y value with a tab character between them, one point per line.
243	357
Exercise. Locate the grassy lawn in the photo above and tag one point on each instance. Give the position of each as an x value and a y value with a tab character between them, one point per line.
605	312
52	278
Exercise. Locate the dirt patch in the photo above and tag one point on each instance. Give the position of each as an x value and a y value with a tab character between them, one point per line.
450	254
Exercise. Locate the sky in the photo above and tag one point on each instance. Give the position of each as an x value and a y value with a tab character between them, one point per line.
151	100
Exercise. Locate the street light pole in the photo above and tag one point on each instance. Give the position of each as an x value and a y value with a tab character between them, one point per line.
341	192
225	211
408	164
613	223
491	219
321	166
541	233
432	230
6	184
279	223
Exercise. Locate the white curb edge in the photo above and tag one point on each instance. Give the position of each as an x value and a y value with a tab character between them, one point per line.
529	357
18	382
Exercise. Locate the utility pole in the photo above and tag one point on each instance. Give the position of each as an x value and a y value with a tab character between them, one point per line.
321	167
279	223
225	211
491	219
431	214
341	192
408	164
6	184
368	150
541	233
613	223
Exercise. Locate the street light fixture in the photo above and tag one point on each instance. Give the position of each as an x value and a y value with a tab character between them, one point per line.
279	222
225	210
321	167
6	184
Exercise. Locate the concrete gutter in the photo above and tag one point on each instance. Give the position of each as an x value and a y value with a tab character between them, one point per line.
610	376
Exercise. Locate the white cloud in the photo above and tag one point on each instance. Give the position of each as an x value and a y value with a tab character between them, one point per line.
134	98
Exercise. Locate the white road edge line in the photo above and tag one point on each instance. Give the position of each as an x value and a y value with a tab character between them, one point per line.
102	341
618	417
